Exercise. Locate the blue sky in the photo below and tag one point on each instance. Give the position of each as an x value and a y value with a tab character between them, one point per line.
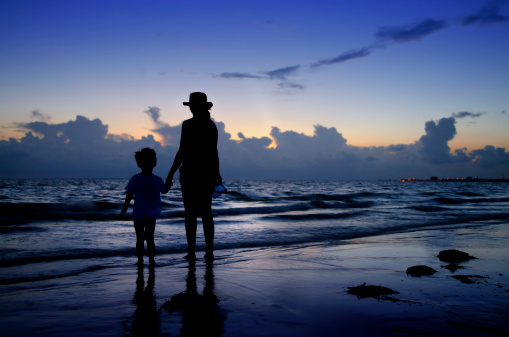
374	71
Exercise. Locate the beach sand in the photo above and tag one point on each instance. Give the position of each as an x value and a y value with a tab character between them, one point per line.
296	290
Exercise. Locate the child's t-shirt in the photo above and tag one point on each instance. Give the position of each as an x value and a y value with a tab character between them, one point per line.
147	198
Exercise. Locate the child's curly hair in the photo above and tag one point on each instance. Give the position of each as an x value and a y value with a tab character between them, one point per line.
146	158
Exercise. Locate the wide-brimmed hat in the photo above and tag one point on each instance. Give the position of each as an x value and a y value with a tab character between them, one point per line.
197	98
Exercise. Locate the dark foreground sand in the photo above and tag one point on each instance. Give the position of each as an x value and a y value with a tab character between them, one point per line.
289	291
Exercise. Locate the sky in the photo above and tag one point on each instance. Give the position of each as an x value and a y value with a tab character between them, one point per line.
360	89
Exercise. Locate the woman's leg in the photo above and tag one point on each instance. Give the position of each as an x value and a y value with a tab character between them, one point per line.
140	239
190	220
208	221
191	213
208	230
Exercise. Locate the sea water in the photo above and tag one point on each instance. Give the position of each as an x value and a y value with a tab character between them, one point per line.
56	228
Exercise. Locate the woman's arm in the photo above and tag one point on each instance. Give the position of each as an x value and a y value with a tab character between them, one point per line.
164	188
219	180
176	164
177	161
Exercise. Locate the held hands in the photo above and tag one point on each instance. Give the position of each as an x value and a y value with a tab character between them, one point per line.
169	182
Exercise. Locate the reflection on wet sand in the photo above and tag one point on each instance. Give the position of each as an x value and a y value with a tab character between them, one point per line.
146	320
200	313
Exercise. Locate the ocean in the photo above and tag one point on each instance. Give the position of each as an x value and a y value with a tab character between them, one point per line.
56	228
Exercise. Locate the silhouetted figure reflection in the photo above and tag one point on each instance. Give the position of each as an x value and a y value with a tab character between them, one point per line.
198	160
146	321
200	314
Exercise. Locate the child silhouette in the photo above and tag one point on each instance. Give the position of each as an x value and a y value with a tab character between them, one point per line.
145	187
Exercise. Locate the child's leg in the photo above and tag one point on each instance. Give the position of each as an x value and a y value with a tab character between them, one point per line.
140	239
150	227
208	229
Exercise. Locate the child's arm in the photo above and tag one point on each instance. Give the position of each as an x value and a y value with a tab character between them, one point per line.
128	198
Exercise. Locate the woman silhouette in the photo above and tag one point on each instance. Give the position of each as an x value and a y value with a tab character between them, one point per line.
199	171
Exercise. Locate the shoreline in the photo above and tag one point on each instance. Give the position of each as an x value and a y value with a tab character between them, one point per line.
298	290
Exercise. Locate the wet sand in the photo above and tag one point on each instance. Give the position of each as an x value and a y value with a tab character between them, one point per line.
281	291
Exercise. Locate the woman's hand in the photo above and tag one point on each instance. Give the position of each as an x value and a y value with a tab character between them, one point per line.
169	182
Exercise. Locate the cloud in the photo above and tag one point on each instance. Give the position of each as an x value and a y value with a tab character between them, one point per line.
289	85
253	143
282	73
346	56
154	113
434	143
84	148
80	131
277	74
78	148
491	157
488	14
239	75
38	115
410	32
463	114
395	34
170	134
324	142
120	138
